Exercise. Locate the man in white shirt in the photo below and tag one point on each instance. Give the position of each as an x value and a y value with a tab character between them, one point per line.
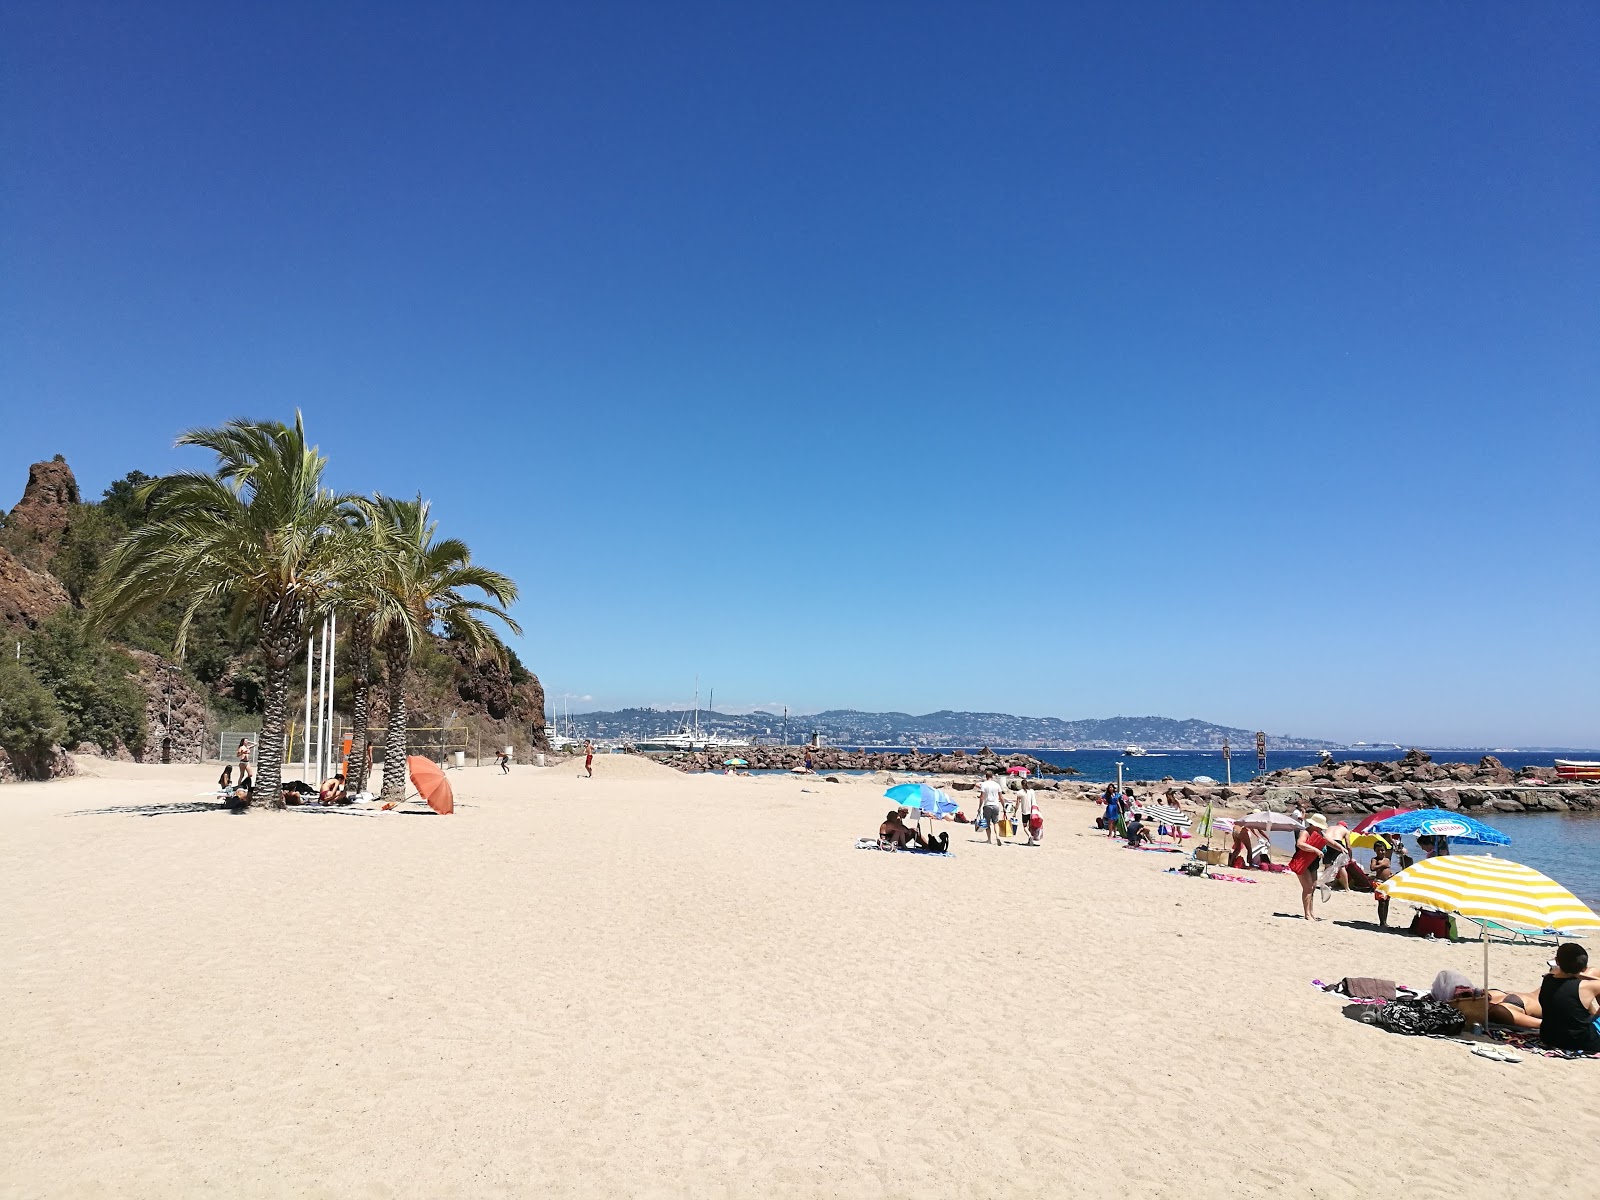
989	808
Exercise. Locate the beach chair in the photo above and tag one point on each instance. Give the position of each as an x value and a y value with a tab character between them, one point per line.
1527	937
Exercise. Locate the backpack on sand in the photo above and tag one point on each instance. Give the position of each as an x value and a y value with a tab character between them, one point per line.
1421	1015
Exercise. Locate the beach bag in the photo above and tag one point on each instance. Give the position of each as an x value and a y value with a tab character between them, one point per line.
1416	1016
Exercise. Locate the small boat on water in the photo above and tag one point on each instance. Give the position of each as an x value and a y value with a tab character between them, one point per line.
1572	768
1133	752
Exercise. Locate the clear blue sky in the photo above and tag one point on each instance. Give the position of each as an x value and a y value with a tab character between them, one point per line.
1227	360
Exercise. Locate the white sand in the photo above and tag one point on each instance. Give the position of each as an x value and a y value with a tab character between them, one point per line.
649	984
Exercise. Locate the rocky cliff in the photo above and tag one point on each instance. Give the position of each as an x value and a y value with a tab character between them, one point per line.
27	596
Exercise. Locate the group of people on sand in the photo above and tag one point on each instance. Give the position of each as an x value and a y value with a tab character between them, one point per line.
1124	817
998	810
1564	1008
1323	859
240	792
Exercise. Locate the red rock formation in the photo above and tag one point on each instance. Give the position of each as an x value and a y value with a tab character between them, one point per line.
27	596
46	504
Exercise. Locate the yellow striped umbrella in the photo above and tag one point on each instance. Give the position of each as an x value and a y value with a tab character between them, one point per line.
1495	889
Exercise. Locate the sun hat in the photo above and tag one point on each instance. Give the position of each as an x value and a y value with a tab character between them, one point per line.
1318	820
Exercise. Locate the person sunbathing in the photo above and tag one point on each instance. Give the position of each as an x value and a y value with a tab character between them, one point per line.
1520	1009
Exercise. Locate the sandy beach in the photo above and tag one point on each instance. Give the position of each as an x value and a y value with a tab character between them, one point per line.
658	985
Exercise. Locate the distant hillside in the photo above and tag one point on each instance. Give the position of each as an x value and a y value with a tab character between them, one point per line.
848	727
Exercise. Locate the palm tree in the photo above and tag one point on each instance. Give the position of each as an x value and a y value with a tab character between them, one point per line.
260	534
421	594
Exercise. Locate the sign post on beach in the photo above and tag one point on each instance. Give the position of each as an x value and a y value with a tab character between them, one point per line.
1227	760
1261	751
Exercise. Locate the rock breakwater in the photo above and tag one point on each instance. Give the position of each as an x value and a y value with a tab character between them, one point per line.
824	758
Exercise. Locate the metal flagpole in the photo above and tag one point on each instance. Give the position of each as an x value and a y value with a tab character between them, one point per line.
321	664
305	747
333	651
327	681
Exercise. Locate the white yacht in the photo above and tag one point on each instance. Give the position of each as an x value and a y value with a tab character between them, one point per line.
1133	752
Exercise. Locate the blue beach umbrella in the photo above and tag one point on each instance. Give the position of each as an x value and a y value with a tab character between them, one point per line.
923	798
1441	822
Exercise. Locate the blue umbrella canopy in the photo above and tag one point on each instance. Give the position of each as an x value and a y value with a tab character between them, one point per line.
921	796
1441	822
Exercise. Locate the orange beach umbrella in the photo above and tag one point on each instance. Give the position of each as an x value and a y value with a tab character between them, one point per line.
431	783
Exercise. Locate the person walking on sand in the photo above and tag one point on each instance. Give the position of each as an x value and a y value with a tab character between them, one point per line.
502	762
1308	846
989	806
588	758
1032	815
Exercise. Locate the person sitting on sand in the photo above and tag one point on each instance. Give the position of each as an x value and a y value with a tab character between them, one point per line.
1138	833
225	780
895	834
332	790
1308	847
1569	1001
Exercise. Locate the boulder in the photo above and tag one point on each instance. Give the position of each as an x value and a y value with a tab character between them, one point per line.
1447	798
1490	763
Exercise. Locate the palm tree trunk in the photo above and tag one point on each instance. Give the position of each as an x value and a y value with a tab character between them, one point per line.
269	750
361	681
397	664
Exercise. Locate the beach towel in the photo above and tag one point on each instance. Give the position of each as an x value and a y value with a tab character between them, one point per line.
1364	987
866	843
1527	1040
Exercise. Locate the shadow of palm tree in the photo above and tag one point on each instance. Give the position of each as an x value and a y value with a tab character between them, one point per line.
157	810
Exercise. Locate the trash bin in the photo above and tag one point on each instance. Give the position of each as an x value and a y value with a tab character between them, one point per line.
461	758
539	759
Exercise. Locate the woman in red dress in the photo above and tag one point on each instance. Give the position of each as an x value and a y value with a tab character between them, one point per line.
1307	860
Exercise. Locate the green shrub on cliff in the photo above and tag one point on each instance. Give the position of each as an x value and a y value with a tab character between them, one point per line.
30	722
92	685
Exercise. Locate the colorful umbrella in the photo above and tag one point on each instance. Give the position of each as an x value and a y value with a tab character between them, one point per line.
734	762
1372	819
431	784
1494	889
1441	822
923	798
